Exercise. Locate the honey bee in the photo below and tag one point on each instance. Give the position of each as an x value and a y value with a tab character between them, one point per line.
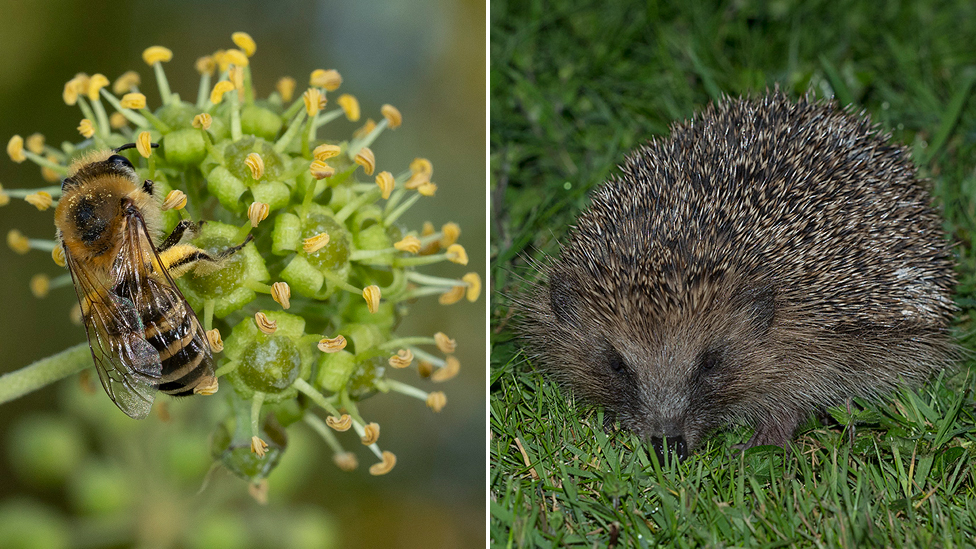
143	335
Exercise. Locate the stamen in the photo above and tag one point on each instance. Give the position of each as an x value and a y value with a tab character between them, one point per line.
392	116
134	101
367	129
421	166
41	200
402	359
202	121
409	244
333	345
451	233
49	174
86	128
328	79
286	88
235	57
258	446
35	143
371	294
264	323
220	88
4	197
57	254
366	159
312	98
40	284
70	94
126	83
424	368
456	254
350	106
427	189
474	286
444	343
448	371
315	243
175	200
256	164
216	342
259	491
345	461
325	151
389	461
451	296
156	54
258	212
321	170
144	144
244	41
385	182
436	401
341	424
281	293
15	149
371	433
18	242
207	387
96	83
205	65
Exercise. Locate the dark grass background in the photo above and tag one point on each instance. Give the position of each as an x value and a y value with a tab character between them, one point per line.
574	86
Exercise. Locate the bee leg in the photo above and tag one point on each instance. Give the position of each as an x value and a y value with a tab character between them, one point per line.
181	258
177	234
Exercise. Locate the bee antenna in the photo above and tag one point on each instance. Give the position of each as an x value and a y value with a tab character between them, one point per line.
128	146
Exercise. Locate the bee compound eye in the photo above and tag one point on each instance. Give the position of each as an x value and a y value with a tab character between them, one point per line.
119	160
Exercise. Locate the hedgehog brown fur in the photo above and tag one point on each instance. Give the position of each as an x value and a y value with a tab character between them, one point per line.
767	260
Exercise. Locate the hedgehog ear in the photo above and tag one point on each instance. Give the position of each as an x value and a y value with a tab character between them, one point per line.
563	299
758	302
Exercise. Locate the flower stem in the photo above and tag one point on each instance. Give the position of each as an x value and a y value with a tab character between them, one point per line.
44	372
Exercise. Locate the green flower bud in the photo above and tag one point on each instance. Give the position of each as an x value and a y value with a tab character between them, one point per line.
178	115
273	193
226	187
233	448
270	363
184	147
236	153
302	276
335	369
363	337
333	256
260	121
287	235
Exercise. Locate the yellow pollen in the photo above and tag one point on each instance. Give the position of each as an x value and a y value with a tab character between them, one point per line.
451	296
35	143
428	229
416	180
328	79
175	200
156	54
345	461
255	163
244	41
126	82
448	371
80	83
96	83
281	293
321	170
264	323
286	88
324	152
40	284
207	386
18	242
371	433
219	89
57	254
202	121
144	144
312	98
341	423
15	149
75	316
384	467
385	182
86	128
350	106
422	166
365	130
371	294
444	343
392	116
402	359
220	59
436	401
70	94
205	65
235	57
117	121
216	342
333	345
427	189
236	76
474	286
366	159
451	233
258	212
134	101
315	243
409	244
41	200
258	446
456	254
4	197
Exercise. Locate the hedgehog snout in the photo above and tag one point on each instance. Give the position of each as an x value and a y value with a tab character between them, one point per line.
674	446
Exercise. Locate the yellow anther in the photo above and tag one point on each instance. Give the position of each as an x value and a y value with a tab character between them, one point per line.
255	163
264	323
474	286
175	200
371	294
41	200
313	99
384	467
456	254
452	296
156	54
220	59
333	345
95	84
366	159
350	106
324	152
4	197
345	461
258	446
321	170
392	116
286	88
244	41
15	149
422	166
74	315
144	144
450	369
47	173
70	94
207	386
366	129
117	121
328	79
402	359
235	57
202	121
427	189
18	242
205	65
409	244
126	82
35	143
134	101
444	343
341	423
451	233
40	284
385	182
428	229
281	293
258	212
216	342
416	180
315	243
86	128
219	89
436	401
236	76
57	254
371	433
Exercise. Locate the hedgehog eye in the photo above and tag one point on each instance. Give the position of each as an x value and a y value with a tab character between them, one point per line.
617	363
709	361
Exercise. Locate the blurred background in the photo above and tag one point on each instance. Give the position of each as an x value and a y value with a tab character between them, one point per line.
74	471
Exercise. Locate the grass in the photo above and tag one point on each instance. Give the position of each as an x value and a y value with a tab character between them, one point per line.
576	85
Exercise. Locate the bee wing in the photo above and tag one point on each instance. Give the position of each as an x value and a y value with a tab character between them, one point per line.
127	365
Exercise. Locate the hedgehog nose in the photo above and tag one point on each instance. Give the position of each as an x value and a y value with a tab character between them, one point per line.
675	447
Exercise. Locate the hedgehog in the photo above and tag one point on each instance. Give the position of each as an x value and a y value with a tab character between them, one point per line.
769	259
